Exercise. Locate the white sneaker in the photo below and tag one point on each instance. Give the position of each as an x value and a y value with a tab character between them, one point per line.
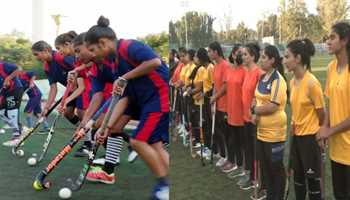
132	156
162	194
25	129
11	143
2	131
198	145
99	161
217	155
220	162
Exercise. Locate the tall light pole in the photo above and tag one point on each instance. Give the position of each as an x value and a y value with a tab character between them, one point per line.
184	4
57	20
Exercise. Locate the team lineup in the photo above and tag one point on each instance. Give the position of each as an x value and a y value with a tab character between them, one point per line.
109	83
233	112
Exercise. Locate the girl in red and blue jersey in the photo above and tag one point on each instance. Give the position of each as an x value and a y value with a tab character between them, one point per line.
147	89
34	94
81	83
10	99
56	67
101	82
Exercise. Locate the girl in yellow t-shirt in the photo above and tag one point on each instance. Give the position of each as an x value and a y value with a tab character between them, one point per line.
185	76
271	98
336	126
307	114
201	59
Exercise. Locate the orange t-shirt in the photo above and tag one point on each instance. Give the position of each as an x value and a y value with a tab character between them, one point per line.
248	90
219	75
176	75
234	81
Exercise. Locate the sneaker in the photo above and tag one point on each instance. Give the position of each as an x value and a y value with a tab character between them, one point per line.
248	185
43	131
160	193
236	173
244	179
220	162
99	161
229	167
98	175
132	156
83	151
2	131
11	143
217	155
197	145
260	196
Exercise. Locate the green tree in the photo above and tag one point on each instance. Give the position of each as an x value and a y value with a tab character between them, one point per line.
296	20
158	42
331	11
268	27
173	38
199	28
16	49
314	28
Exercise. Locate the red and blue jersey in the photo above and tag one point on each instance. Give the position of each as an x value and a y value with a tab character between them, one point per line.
25	78
83	100
58	68
149	92
102	75
5	70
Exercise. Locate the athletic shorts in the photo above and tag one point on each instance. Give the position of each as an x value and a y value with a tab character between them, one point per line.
133	111
33	105
153	128
306	155
72	103
83	100
11	99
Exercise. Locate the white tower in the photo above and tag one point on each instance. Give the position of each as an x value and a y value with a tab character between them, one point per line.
37	20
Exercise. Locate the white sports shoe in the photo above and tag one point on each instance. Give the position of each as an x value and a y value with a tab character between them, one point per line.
198	145
132	156
99	161
162	194
11	143
220	162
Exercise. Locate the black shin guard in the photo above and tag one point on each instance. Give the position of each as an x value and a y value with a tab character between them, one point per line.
314	186
299	187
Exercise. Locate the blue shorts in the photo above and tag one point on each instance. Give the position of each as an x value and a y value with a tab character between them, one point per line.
153	128
33	105
133	111
83	101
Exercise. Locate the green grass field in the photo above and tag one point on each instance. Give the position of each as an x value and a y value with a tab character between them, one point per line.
134	181
191	181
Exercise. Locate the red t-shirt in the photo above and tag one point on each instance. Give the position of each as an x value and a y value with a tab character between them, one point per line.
176	75
219	79
248	89
234	81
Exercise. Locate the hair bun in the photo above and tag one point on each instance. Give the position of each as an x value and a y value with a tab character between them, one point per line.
72	34
102	21
309	46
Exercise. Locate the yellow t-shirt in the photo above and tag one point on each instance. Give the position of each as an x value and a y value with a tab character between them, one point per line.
338	92
197	82
305	97
188	74
183	71
272	128
208	78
